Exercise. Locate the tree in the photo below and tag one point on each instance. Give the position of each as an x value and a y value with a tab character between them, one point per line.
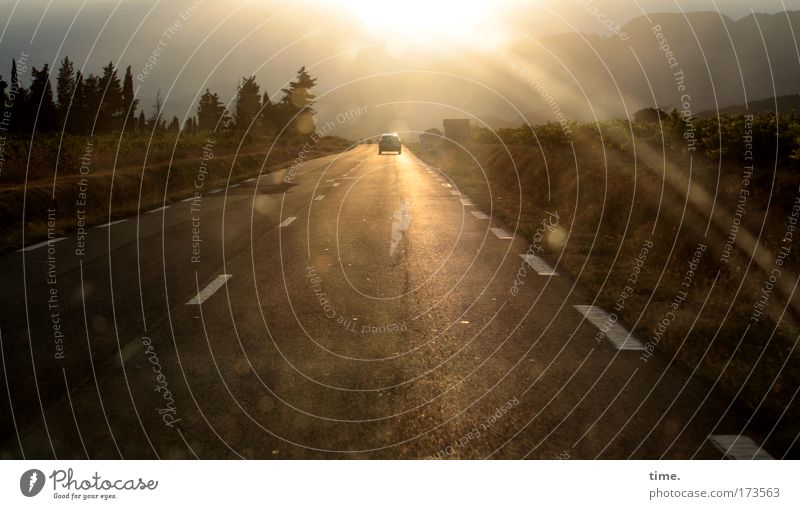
110	114
79	113
90	100
142	124
211	112
270	114
42	97
65	88
129	101
20	106
174	125
649	115
248	103
431	136
297	102
189	125
154	122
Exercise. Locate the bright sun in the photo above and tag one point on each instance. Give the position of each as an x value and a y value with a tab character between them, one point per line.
423	20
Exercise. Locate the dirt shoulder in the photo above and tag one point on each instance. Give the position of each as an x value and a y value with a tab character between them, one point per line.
654	259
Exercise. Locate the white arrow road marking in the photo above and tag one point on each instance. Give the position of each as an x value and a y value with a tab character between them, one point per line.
159	209
41	244
616	333
318	198
738	447
287	222
209	290
402	220
501	233
479	214
112	223
540	266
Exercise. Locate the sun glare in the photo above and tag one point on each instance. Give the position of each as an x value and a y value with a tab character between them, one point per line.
424	20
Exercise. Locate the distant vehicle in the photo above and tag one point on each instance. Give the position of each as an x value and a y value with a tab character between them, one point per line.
390	143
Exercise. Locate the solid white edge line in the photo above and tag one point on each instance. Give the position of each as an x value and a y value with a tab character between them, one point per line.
41	244
159	209
209	290
287	221
112	223
618	335
739	447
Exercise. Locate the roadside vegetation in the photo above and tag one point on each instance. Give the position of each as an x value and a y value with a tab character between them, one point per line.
69	142
729	316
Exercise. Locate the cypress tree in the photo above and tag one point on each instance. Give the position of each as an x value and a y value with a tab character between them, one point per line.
65	88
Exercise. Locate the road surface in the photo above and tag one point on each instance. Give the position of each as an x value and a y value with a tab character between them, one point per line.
360	308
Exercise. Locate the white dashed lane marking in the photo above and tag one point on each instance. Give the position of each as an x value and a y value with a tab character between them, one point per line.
466	202
540	266
455	193
209	290
479	214
616	333
320	197
335	184
354	168
215	191
287	222
159	209
112	223
501	233
41	244
739	447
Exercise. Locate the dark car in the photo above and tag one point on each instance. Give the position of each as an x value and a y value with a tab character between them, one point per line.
390	143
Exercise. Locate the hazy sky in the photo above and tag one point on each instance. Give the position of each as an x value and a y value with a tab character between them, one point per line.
180	47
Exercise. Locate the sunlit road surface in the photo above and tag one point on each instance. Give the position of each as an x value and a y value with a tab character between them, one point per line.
361	311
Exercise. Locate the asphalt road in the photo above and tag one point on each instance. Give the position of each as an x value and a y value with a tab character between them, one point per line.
362	310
